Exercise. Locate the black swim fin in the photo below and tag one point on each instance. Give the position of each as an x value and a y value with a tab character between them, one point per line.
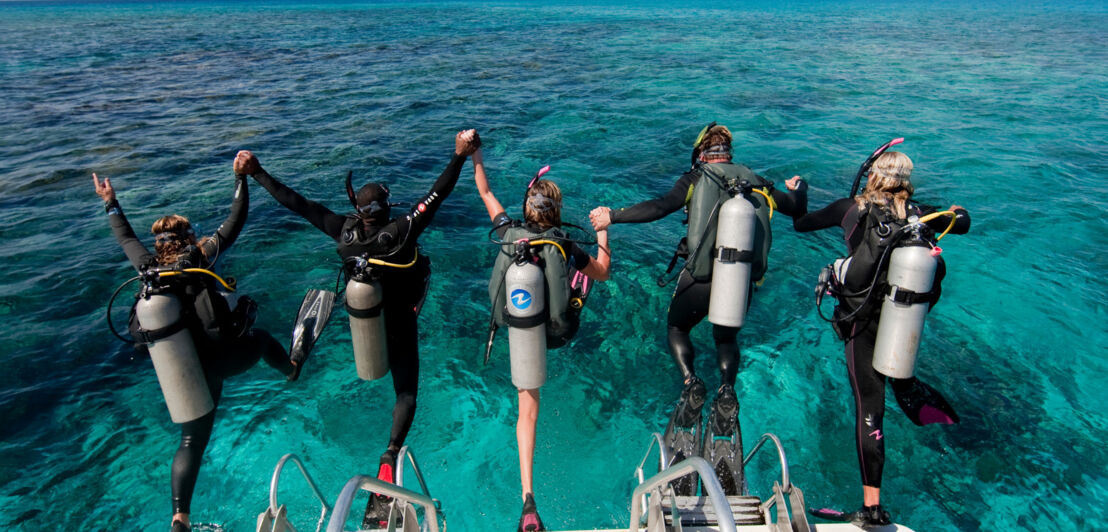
866	517
723	445
314	313
684	432
921	403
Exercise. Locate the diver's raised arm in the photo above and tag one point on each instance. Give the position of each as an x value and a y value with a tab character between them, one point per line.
136	253
231	227
315	213
600	267
492	205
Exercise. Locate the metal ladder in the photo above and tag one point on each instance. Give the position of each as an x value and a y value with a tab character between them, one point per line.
403	515
654	504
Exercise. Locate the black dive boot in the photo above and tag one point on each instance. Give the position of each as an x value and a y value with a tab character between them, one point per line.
725	411
687	413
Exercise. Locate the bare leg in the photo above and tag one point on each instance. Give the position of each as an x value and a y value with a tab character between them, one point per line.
525	436
183	518
871	495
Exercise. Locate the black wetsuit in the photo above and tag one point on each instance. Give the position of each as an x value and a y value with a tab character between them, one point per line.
867	383
690	299
220	360
404	288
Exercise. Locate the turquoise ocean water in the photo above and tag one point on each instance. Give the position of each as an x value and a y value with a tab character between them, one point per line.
1002	105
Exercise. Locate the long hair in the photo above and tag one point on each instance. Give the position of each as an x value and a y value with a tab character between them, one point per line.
888	184
543	204
174	235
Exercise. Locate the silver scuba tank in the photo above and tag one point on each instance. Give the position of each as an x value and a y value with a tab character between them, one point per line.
367	329
526	344
911	270
732	263
175	360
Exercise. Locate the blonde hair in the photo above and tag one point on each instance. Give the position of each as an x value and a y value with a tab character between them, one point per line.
889	184
551	215
168	251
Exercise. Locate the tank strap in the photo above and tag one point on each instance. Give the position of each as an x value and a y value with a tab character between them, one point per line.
732	255
147	337
908	297
528	322
371	312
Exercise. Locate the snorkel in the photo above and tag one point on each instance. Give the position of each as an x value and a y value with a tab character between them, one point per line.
542	171
350	189
864	169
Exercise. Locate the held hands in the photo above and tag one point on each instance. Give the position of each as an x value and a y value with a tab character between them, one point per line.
601	218
246	163
793	183
466	142
104	190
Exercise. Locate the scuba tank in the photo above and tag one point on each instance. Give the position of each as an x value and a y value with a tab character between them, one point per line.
364	304
732	262
910	277
524	283
173	353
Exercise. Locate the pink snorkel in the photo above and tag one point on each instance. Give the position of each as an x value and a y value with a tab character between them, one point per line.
869	162
542	171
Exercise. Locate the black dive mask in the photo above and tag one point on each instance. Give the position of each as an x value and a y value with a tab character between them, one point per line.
375	196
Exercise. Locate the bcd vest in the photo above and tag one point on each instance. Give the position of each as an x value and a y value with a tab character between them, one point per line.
863	285
710	189
211	313
560	323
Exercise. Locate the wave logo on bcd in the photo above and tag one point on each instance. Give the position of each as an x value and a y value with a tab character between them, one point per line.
521	298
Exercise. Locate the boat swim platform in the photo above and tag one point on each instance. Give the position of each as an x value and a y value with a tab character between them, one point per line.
654	505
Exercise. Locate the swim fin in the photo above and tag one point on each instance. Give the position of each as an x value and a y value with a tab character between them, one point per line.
684	432
579	287
922	403
866	517
530	521
723	446
315	310
379	507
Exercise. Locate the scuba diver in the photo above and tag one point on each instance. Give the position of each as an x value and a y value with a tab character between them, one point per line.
388	278
538	286
883	230
195	329
724	261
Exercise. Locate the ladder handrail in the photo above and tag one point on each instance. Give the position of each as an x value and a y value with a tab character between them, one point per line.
786	485
708	481
406	451
663	456
311	483
365	482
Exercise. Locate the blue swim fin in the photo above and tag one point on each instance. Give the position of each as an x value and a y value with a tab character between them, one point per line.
314	313
921	403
